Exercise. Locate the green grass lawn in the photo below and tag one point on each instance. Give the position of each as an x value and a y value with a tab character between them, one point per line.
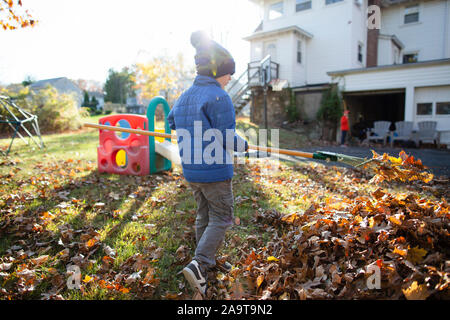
131	235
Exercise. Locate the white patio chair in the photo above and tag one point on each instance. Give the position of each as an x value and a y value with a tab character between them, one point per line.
427	133
380	130
403	131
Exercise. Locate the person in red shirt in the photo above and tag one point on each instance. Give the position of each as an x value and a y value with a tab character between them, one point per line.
344	127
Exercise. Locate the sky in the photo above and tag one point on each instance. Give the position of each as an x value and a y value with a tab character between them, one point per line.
83	39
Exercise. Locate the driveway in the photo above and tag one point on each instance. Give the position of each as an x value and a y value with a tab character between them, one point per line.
438	161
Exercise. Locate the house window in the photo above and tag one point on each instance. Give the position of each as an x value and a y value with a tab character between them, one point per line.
410	58
301	5
424	109
331	1
411	14
276	10
443	108
360	52
299	51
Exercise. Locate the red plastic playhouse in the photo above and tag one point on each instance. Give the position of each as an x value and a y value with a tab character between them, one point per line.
122	152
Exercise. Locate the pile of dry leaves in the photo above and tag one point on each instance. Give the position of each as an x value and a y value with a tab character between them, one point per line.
381	246
404	168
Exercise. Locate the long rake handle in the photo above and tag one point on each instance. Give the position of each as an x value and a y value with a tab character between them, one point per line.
172	136
282	151
136	131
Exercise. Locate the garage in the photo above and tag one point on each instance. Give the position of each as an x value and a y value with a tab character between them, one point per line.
415	92
370	106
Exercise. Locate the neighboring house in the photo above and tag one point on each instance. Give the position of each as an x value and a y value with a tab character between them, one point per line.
62	85
99	96
133	106
399	72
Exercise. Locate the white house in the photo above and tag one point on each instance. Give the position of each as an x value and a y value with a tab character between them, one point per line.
399	71
99	96
310	38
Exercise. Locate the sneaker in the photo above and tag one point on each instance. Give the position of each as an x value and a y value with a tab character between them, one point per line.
224	266
194	276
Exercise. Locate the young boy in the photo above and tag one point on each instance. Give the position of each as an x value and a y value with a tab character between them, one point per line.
204	106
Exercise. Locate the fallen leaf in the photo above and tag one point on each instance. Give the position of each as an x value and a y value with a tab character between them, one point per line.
259	280
124	290
91	242
237	290
416	291
40	260
401	252
416	254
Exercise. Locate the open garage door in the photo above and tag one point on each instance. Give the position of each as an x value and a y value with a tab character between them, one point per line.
370	106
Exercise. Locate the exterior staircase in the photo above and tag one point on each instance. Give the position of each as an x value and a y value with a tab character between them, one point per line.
240	89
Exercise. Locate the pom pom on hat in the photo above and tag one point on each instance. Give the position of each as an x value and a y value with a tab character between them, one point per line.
199	38
211	59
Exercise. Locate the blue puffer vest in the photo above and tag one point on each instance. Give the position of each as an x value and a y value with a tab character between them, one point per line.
205	101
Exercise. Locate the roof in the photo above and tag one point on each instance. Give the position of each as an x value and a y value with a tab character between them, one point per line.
293	28
394	39
43	83
312	87
390	67
384	3
62	84
387	3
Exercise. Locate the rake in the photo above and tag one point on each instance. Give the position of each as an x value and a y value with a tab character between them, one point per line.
318	155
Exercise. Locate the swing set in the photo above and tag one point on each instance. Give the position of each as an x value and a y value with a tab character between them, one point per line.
18	119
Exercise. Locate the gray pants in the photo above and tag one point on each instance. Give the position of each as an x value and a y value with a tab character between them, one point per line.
214	216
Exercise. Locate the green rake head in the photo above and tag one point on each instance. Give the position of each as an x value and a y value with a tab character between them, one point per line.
338	157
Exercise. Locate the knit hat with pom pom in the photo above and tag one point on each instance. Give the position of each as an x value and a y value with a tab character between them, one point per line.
212	59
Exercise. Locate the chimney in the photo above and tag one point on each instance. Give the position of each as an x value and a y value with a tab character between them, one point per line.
372	41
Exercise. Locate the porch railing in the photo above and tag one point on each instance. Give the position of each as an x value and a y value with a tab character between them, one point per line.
240	89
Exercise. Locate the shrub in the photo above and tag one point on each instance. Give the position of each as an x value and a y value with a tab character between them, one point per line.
291	109
330	106
330	112
91	104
